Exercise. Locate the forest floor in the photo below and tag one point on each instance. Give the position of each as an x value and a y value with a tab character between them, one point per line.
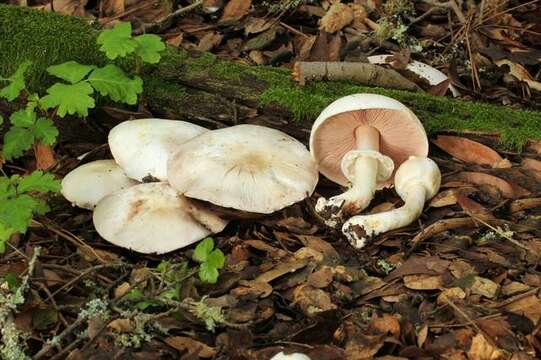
463	282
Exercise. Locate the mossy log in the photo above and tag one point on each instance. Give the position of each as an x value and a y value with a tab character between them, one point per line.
204	88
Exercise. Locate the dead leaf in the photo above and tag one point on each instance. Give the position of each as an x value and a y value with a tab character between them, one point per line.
113	7
514	287
122	289
473	208
175	40
235	10
121	325
359	16
422	336
477	178
484	287
337	17
257	25
420	265
467	150
252	288
209	41
44	156
311	300
529	306
282	269
319	245
482	350
386	324
452	294
309	253
363	347
449	197
321	278
423	282
67	7
193	347
520	73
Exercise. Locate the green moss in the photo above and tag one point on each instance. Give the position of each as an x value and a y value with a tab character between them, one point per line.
47	39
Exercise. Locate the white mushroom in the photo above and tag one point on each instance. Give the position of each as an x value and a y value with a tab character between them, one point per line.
142	147
293	356
417	180
153	218
427	72
359	139
245	167
87	184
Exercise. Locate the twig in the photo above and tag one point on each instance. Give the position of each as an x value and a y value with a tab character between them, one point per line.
293	30
85	273
451	4
48	346
504	235
165	21
469	320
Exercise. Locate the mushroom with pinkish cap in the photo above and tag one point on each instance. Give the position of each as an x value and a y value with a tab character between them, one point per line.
141	147
153	218
359	139
245	167
87	184
417	180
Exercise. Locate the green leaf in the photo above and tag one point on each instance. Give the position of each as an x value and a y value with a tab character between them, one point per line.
216	259
23	118
203	249
163	265
1	119
111	81
208	273
11	279
142	305
70	71
169	294
5	234
16	213
7	189
16	141
70	99
38	181
45	131
149	47
133	295
117	41
16	85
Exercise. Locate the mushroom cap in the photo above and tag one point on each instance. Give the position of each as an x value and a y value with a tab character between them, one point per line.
418	170
153	218
245	167
142	147
87	184
333	132
293	356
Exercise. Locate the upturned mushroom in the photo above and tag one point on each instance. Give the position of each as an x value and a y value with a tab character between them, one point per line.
153	218
141	147
417	180
87	184
359	139
249	168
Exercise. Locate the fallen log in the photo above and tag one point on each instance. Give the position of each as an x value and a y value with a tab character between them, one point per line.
204	88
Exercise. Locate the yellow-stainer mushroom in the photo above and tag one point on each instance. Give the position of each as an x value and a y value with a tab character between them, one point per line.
417	180
87	184
249	168
142	147
153	218
359	139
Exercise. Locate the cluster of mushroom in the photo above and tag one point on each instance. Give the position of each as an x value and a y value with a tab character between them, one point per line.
358	141
169	181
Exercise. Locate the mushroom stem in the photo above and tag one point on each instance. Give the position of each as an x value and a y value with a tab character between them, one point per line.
363	164
360	228
367	138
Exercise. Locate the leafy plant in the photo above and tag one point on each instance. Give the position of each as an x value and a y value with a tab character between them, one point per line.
19	201
72	95
210	260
